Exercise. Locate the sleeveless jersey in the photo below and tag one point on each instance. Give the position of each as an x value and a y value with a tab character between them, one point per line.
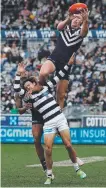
69	41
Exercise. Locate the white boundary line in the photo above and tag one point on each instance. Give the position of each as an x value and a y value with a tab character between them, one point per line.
66	163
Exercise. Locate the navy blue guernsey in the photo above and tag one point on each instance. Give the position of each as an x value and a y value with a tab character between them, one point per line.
69	41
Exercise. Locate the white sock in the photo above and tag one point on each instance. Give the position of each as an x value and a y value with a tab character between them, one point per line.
76	166
49	172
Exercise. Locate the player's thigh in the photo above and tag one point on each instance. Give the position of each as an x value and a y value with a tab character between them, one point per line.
63	129
50	130
37	131
62	87
48	139
65	135
47	68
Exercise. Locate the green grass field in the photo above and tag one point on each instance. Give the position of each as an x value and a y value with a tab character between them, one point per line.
14	172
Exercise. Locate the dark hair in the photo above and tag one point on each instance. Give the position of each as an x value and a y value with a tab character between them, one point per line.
31	79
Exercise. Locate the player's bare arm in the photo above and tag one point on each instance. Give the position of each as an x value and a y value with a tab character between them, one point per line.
18	103
25	108
21	69
63	24
84	28
22	110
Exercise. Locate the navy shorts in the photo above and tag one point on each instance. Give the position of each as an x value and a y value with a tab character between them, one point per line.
36	117
59	64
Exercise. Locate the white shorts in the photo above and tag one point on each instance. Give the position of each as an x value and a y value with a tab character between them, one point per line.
59	123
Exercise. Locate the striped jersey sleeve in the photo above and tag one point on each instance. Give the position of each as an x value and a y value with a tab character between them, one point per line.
17	86
50	84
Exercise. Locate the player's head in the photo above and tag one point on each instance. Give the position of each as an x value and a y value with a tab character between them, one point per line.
76	21
30	83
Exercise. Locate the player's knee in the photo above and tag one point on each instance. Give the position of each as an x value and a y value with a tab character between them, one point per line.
48	150
36	134
47	68
37	138
44	73
68	145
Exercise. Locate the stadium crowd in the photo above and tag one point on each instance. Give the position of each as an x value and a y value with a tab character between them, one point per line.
88	77
44	14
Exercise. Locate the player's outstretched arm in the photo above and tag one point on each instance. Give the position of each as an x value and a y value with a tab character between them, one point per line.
24	108
21	108
62	24
84	29
17	86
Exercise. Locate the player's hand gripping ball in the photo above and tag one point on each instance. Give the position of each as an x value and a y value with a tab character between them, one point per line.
77	7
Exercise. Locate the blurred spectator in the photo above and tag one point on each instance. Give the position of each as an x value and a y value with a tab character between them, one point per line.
87	80
88	77
25	12
41	14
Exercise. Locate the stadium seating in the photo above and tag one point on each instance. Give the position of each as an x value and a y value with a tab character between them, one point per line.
88	79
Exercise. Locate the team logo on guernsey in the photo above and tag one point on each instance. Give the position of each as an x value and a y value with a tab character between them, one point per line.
45	94
69	38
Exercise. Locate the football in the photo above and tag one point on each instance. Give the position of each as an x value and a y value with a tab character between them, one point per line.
77	7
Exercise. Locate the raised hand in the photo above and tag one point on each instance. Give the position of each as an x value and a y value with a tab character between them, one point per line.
84	13
71	16
28	105
21	68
